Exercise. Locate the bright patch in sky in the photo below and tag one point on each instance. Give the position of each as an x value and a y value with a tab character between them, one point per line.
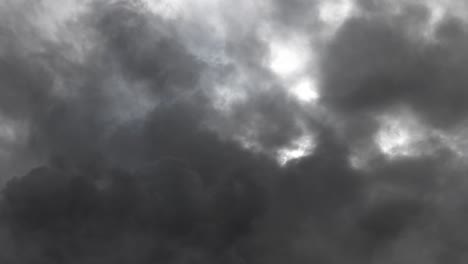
436	15
400	135
165	8
171	9
286	60
335	12
305	90
226	97
11	132
393	139
299	148
7	133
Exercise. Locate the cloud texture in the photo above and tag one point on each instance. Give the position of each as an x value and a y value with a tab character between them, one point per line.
209	131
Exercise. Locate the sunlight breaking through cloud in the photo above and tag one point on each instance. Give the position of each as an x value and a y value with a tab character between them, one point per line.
287	58
305	90
299	148
400	135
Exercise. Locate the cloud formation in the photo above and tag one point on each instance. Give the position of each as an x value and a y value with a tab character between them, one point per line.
233	132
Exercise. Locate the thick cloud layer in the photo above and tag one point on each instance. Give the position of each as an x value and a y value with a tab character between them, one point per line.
220	132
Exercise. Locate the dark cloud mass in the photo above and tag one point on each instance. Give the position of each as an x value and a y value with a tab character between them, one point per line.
218	132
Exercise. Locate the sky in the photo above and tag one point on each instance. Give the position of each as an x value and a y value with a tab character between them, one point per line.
237	132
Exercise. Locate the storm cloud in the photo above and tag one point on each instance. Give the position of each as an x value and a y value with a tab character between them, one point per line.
233	132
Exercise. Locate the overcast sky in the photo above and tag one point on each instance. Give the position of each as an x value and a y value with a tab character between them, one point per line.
219	131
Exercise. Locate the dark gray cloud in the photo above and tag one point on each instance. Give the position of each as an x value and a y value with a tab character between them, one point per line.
155	137
375	63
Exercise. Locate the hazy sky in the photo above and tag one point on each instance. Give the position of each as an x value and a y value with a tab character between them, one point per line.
219	131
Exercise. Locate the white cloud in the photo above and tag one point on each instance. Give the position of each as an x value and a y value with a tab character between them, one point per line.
401	134
305	90
288	58
301	147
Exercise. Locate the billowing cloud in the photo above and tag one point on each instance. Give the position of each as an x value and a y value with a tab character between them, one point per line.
215	131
